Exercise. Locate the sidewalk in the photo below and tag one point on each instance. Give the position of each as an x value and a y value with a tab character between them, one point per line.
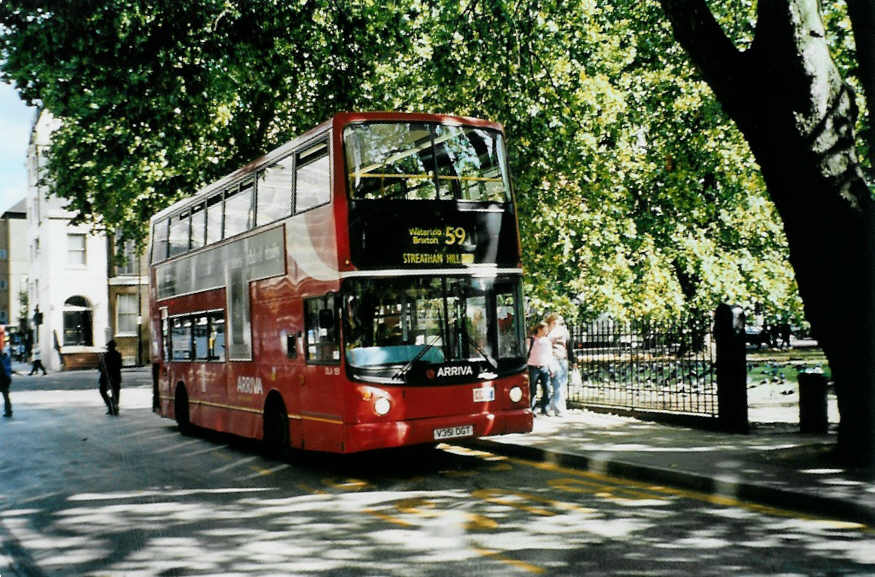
774	465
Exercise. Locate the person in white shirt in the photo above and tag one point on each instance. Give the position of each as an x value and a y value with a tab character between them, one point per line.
540	362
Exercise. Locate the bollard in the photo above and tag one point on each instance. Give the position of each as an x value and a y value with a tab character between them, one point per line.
731	369
812	403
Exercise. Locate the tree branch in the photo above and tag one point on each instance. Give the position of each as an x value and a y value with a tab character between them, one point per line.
713	53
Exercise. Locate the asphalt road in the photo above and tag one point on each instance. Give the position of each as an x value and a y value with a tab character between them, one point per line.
86	494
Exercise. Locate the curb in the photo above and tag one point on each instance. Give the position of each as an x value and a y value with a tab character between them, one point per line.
796	501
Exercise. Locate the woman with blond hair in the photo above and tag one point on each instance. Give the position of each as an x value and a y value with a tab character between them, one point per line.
560	341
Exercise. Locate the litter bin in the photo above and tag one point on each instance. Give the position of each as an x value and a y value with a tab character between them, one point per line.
812	403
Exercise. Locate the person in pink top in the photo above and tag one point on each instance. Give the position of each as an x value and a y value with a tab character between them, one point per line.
540	365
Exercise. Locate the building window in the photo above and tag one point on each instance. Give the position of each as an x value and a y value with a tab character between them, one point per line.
2	254
76	255
3	285
126	258
126	315
4	317
77	322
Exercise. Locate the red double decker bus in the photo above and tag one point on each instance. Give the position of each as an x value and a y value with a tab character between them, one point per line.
357	288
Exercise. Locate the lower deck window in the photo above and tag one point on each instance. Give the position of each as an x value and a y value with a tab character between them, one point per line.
323	339
199	337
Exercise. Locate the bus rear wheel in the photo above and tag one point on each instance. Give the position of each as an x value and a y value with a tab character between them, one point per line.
276	429
180	410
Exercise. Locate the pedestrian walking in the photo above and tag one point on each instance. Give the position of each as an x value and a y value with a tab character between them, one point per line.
560	341
539	362
6	382
37	363
111	377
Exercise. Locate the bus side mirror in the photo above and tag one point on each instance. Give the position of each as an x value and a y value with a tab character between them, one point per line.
326	318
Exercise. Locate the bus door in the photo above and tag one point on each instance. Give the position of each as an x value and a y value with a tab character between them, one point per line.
320	392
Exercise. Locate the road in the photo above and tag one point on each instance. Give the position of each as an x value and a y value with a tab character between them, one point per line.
86	494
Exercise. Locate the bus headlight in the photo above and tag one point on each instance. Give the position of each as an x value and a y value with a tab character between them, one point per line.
516	394
382	406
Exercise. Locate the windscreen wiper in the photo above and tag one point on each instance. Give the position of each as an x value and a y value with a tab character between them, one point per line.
404	370
492	364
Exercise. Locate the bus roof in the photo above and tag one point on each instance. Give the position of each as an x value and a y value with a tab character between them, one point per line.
337	121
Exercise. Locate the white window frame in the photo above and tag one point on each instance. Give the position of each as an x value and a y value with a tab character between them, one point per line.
71	250
119	314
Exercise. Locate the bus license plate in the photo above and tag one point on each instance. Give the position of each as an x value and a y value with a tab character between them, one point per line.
453	432
484	394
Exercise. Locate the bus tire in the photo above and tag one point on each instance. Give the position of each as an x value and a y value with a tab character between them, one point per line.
180	410
276	428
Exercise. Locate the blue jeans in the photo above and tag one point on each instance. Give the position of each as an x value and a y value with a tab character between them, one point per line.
539	375
559	382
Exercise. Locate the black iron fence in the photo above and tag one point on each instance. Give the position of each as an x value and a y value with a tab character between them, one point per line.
643	367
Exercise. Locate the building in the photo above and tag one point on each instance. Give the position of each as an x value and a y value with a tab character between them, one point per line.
68	264
79	287
129	301
13	262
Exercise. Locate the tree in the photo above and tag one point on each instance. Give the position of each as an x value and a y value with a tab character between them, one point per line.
158	99
789	100
617	214
862	15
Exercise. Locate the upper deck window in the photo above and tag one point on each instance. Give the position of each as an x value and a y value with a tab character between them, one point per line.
159	250
239	216
275	191
312	180
424	161
179	229
198	225
214	218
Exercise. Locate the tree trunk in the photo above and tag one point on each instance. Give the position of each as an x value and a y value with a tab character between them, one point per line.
862	13
792	106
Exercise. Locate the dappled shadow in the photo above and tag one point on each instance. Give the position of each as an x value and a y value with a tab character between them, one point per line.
78	380
137	498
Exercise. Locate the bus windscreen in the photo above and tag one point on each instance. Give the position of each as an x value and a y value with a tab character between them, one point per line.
390	324
425	161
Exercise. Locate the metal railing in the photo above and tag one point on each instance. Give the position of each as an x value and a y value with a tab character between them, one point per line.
642	367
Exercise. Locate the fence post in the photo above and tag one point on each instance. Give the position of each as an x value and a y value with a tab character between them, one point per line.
731	369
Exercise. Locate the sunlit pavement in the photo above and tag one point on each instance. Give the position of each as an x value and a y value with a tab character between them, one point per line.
85	494
775	464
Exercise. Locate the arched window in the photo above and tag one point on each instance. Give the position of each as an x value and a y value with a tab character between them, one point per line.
77	322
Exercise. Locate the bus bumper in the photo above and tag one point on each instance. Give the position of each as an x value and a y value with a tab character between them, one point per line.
369	436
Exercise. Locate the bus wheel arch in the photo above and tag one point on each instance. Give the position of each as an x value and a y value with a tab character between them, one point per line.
181	409
275	433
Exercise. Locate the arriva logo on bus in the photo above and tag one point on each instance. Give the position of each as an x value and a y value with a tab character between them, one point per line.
457	371
249	385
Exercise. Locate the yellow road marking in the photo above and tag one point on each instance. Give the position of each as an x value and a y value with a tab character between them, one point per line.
498	556
656	491
347	484
500	497
389	518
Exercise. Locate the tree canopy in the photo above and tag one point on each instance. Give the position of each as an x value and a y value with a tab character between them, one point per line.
638	196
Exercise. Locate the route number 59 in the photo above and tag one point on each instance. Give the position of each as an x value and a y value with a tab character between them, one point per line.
454	235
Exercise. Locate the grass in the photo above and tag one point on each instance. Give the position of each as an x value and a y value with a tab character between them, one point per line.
774	366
